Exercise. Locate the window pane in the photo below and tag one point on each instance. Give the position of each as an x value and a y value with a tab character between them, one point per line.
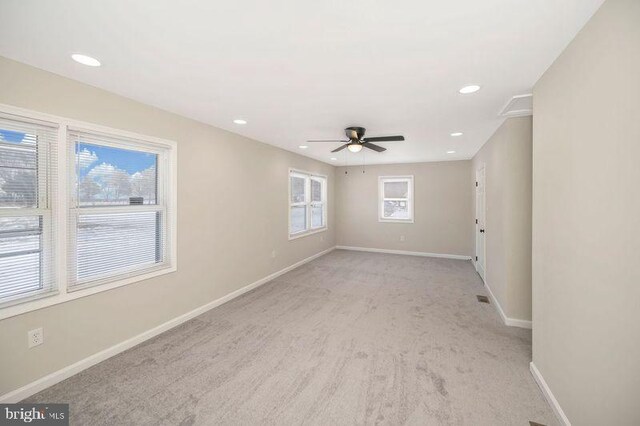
20	251
19	234
19	274
396	190
316	190
396	209
297	189
298	219
109	244
18	169
317	219
110	176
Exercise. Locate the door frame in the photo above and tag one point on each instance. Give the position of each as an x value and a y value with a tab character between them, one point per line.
481	167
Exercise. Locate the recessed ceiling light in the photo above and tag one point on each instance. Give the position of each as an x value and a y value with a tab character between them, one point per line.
240	121
303	146
469	89
334	159
456	134
451	152
85	60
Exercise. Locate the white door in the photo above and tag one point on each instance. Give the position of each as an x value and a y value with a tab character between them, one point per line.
480	221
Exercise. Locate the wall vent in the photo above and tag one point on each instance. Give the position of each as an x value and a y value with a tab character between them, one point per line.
518	106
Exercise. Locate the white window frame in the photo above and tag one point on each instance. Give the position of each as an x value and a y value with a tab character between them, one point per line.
75	210
45	208
308	203
381	199
61	209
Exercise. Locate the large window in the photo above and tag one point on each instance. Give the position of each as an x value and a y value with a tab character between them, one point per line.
99	215
395	202
118	208
27	178
307	203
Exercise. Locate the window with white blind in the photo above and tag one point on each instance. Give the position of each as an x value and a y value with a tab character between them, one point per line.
27	182
395	199
118	223
83	209
307	203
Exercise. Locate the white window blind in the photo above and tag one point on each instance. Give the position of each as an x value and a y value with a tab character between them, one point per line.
119	209
307	203
28	152
395	198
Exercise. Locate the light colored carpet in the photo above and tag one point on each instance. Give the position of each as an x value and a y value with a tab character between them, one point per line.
350	338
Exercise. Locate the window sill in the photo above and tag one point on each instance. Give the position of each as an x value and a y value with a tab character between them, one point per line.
395	220
60	297
306	233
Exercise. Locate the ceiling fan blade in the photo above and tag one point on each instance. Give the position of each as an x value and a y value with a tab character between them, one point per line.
327	140
384	139
341	148
374	147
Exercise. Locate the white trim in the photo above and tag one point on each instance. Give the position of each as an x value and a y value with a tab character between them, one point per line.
548	395
511	322
61	208
81	125
60	297
306	233
308	176
66	372
164	194
477	265
404	252
410	198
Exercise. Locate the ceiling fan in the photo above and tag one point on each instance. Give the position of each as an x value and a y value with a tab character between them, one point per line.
356	140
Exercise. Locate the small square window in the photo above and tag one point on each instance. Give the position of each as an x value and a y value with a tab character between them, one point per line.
395	199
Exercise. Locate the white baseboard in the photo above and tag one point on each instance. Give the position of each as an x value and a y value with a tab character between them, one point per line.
409	253
66	372
548	395
511	322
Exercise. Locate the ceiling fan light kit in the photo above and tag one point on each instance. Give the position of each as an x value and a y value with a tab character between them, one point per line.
356	140
354	147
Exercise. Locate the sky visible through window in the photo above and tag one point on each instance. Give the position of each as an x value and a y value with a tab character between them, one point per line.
132	162
11	136
106	243
109	175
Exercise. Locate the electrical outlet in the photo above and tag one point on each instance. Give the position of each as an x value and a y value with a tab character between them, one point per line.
402	238
35	337
273	254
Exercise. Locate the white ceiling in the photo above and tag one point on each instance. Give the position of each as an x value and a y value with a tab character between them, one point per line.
302	69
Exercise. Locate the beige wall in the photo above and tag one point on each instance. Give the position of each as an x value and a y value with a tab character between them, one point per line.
507	159
443	211
219	249
586	221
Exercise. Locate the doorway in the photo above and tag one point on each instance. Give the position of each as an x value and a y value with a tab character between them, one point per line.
480	221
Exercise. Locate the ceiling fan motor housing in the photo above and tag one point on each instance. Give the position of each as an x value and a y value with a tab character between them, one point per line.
355	133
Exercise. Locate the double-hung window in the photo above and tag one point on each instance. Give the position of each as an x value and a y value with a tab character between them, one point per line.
83	209
395	199
27	190
118	224
307	203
